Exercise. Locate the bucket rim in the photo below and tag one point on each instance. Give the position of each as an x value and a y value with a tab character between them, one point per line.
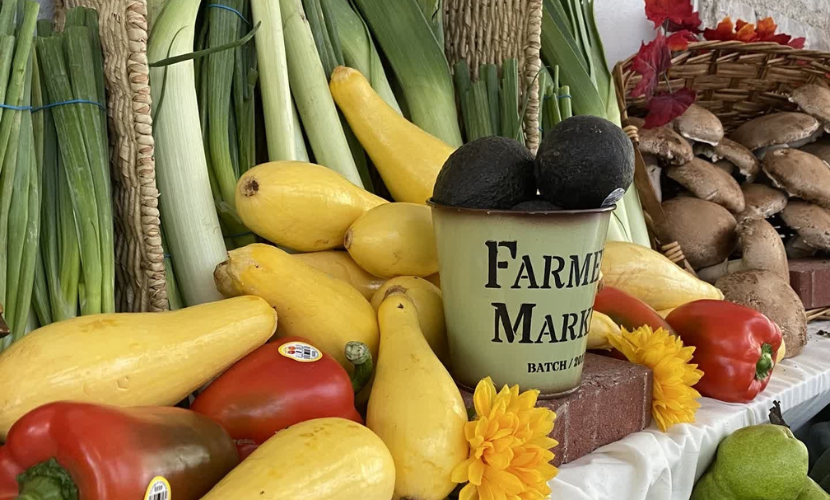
436	204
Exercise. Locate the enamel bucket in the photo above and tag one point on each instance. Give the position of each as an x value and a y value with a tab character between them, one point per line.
518	291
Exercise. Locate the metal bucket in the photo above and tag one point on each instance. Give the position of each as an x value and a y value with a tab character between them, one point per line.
519	290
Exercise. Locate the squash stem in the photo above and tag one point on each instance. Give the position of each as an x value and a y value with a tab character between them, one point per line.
359	355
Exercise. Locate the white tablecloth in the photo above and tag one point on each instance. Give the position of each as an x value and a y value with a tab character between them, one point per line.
652	465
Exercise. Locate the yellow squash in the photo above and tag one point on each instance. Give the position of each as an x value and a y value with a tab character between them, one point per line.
415	406
302	206
321	459
338	264
602	327
651	277
407	158
130	359
311	304
429	303
395	239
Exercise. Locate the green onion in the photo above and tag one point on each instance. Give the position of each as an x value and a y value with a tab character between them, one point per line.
419	63
19	283
490	74
359	49
310	88
77	167
564	98
81	63
12	185
478	122
277	106
187	206
245	77
511	120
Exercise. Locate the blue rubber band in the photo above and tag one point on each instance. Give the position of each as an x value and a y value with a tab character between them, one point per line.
229	9
47	106
239	235
168	256
563	96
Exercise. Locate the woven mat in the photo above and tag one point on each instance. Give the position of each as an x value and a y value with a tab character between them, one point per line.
490	31
140	282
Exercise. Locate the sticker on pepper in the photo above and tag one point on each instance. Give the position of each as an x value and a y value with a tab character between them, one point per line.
159	489
300	351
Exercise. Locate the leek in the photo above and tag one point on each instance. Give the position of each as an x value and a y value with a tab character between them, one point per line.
188	212
570	39
327	40
310	88
419	63
478	122
280	126
434	14
359	49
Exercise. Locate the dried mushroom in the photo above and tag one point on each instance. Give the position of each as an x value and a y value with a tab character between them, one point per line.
704	230
815	101
698	124
665	144
799	174
772	296
777	130
811	222
761	249
709	183
730	150
762	201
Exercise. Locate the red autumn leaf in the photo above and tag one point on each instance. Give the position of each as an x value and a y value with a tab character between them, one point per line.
724	31
746	33
652	60
766	28
680	40
741	24
679	13
798	43
665	107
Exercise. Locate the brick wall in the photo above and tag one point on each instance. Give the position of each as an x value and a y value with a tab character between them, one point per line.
807	18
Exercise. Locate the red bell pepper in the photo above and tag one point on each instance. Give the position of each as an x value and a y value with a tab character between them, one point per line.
735	347
628	311
280	384
71	451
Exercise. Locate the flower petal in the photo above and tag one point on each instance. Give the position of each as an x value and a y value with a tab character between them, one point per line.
476	472
469	492
483	396
460	473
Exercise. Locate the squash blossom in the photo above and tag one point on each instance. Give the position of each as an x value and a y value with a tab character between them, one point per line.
509	446
674	399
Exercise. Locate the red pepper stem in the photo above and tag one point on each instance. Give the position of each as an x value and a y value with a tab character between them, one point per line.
46	481
765	364
359	355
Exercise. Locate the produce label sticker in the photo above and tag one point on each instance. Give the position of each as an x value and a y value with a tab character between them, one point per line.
300	351
159	489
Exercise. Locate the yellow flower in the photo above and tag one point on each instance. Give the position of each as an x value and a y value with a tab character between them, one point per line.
509	446
674	399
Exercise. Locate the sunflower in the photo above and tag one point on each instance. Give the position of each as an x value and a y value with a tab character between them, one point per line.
509	446
674	400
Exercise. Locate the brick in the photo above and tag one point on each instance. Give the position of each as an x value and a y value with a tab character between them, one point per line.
613	401
810	278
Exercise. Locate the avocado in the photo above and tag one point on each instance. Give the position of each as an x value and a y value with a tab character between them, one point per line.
490	172
584	162
535	205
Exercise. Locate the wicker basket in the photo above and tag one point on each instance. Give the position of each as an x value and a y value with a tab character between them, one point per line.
737	82
139	279
490	31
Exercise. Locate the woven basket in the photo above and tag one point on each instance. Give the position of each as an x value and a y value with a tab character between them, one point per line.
139	280
734	80
490	31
